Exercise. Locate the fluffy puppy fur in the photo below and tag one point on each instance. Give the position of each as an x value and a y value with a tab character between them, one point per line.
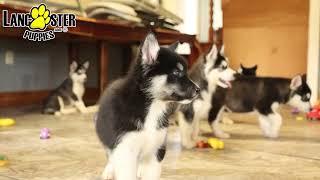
132	120
248	71
210	71
67	98
262	95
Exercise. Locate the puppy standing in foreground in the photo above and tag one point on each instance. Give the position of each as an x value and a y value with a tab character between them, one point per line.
210	71
132	120
67	98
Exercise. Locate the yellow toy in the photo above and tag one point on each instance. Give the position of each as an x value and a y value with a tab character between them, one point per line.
3	160
299	118
216	143
4	122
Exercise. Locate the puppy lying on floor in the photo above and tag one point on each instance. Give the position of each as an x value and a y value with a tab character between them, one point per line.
67	98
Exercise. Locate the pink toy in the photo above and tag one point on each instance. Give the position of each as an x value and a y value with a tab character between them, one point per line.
44	133
295	111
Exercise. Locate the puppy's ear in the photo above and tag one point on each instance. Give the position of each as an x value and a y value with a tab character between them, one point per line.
255	67
222	50
296	82
174	46
304	77
73	66
86	64
150	49
213	53
241	66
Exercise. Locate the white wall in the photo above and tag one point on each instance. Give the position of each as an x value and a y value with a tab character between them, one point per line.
188	11
204	18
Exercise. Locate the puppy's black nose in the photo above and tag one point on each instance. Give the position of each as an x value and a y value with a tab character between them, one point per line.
197	90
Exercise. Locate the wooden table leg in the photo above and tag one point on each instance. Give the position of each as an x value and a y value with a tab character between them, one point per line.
104	59
127	52
72	53
196	51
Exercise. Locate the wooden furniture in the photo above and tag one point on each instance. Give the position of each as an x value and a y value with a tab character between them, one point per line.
100	32
214	36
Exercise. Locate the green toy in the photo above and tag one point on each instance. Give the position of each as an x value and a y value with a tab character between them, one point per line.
3	160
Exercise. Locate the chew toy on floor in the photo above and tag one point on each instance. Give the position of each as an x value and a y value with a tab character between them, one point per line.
5	122
314	113
216	143
295	111
3	160
202	144
299	118
44	133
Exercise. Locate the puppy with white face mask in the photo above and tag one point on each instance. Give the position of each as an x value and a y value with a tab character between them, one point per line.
67	98
210	72
133	117
262	95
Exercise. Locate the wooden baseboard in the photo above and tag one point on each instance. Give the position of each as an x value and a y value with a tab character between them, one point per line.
23	98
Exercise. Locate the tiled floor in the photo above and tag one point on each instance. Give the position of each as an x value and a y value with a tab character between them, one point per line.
74	152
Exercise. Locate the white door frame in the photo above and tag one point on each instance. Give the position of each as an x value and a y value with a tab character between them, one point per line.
313	49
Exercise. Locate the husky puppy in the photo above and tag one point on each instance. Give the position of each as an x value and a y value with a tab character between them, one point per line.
248	71
210	71
263	95
132	120
69	94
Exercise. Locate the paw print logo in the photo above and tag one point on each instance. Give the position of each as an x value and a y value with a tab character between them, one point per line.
41	17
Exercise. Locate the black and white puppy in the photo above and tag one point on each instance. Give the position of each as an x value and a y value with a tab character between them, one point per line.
132	120
67	98
248	71
210	71
263	95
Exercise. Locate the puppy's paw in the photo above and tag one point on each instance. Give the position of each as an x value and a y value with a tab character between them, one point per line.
57	113
106	176
271	135
107	173
227	120
222	135
199	138
93	109
139	172
84	111
189	144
